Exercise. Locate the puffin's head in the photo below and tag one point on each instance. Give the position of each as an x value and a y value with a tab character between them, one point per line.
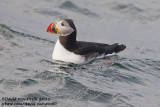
62	27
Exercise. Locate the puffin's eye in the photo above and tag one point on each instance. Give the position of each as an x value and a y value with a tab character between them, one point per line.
62	24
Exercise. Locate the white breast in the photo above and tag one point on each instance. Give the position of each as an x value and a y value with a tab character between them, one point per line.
60	53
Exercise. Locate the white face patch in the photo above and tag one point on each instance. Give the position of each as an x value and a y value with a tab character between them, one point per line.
64	29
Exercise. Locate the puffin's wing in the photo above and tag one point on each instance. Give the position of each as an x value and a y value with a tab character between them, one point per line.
96	48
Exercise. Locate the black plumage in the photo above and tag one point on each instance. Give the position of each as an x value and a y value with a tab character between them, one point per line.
87	48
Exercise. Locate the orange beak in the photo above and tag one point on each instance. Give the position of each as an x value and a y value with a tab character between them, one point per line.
52	28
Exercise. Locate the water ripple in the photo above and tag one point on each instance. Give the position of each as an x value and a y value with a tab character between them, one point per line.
28	82
71	6
8	33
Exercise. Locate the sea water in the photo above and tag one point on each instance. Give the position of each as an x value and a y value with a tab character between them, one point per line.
29	77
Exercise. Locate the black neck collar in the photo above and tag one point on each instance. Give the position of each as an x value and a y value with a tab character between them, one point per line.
68	41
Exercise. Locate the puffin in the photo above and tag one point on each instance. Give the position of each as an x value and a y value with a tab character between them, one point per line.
68	49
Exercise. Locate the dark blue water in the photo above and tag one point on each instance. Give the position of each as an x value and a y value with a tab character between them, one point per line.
131	79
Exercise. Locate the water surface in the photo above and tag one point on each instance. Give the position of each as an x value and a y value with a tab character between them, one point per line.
131	80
